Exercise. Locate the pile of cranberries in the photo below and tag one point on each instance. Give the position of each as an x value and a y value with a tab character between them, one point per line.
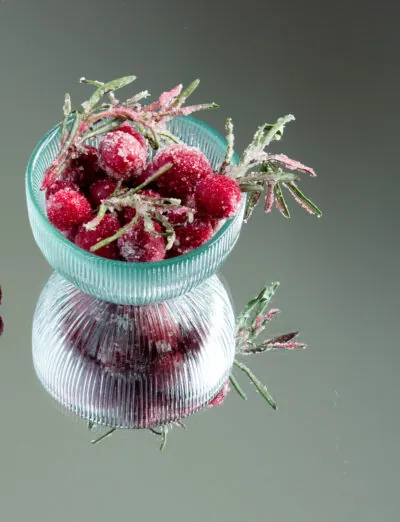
122	157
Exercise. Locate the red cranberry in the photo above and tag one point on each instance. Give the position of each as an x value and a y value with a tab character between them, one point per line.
190	165
191	236
122	155
108	226
218	196
101	190
68	208
137	245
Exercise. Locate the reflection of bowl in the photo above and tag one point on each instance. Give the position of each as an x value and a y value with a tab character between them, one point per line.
118	281
133	366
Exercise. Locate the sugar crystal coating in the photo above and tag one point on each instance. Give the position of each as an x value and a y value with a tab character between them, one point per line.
138	245
218	196
190	165
58	185
108	226
191	236
68	208
122	155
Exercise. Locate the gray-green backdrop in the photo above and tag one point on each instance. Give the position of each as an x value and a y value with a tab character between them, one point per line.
330	453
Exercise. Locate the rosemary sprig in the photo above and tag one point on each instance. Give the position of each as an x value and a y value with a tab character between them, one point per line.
275	170
250	323
96	117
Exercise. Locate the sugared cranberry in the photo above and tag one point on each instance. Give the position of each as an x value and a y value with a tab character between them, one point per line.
58	185
68	208
191	236
84	170
218	196
108	226
137	245
190	165
122	155
101	190
127	127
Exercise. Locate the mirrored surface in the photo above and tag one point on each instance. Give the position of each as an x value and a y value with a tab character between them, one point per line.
330	451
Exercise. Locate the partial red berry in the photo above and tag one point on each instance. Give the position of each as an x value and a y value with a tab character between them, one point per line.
177	215
191	236
68	208
70	234
127	215
58	185
122	155
221	395
84	170
107	227
218	196
190	165
217	224
101	190
137	245
127	127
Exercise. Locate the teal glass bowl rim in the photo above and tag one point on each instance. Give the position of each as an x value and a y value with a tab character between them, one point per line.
87	256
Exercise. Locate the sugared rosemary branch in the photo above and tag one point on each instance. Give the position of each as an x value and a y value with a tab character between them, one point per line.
96	117
275	170
250	324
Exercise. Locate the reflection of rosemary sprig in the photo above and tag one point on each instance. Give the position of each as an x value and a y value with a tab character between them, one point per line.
96	117
275	170
250	324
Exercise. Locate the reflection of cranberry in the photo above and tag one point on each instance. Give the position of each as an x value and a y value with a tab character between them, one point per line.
133	360
220	397
157	328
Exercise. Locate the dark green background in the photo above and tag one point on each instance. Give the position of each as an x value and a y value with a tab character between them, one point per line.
331	451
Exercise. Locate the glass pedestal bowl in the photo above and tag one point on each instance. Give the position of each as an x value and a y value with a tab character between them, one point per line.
131	366
122	282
